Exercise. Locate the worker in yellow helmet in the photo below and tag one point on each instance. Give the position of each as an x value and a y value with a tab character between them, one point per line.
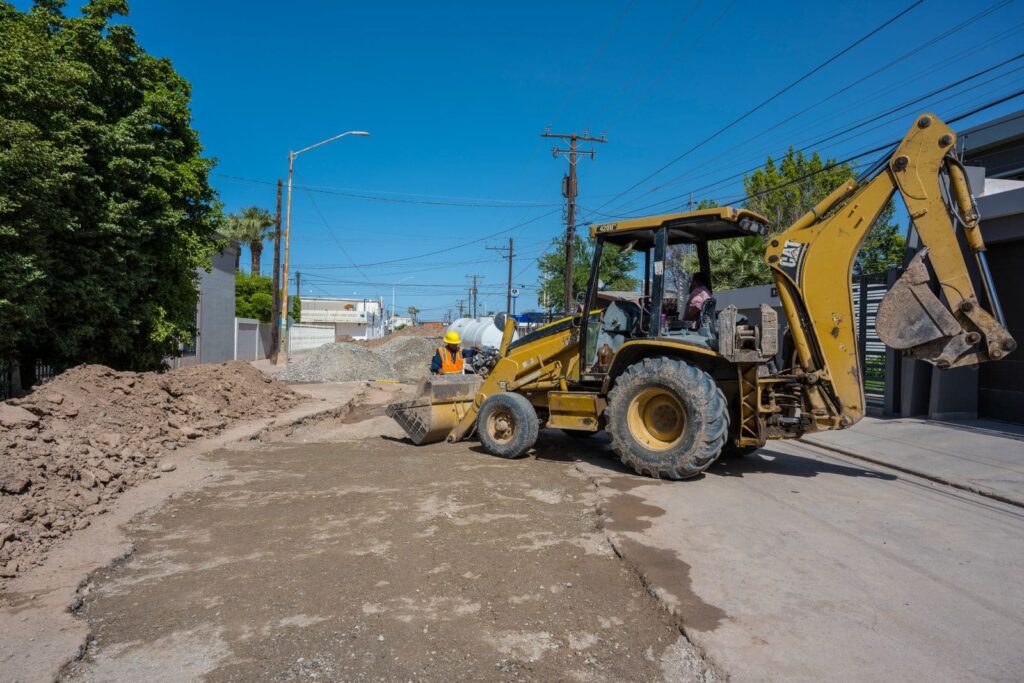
450	358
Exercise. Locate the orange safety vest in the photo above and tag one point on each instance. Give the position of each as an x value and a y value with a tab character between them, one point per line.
449	365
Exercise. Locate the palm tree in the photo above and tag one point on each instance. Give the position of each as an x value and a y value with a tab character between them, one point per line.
231	230
413	312
251	227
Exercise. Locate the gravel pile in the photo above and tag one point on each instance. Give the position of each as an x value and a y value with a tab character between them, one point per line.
339	362
409	356
85	436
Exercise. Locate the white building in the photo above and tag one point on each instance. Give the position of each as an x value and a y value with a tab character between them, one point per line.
398	321
356	318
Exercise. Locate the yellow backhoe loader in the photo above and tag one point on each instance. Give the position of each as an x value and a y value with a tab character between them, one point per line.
673	398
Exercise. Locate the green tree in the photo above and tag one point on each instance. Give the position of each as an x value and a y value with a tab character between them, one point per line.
254	297
615	271
106	211
413	312
250	227
784	191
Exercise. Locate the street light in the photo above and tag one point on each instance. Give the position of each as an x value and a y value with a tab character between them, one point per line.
394	285
282	326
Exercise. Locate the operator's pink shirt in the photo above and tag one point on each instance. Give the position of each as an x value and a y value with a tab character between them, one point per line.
696	300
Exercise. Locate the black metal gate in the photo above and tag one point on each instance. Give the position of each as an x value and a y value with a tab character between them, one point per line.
868	291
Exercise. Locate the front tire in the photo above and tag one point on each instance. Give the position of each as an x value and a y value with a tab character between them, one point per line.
507	424
667	418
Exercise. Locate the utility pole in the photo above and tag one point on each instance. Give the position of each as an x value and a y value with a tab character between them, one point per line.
298	287
510	252
569	191
275	331
461	303
473	295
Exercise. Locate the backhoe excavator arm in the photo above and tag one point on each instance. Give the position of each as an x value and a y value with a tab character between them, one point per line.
812	264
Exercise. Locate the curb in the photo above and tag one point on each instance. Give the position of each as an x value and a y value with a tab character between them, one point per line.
954	483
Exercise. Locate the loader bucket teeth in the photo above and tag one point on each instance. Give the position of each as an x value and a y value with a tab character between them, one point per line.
912	319
439	405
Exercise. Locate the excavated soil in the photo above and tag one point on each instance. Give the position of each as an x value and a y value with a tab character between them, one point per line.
81	439
406	358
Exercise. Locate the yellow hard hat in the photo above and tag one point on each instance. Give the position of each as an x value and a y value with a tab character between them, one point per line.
452	337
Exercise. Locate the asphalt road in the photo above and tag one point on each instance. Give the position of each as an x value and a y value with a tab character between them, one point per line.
795	564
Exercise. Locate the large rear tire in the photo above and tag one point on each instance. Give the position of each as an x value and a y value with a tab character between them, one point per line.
507	424
667	418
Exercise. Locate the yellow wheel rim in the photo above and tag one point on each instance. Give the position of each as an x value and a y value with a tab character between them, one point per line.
656	419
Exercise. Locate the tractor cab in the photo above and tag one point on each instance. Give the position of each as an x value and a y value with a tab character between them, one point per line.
655	313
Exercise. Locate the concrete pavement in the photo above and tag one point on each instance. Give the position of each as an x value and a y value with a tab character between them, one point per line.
974	458
798	564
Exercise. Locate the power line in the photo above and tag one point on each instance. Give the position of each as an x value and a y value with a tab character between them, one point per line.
468	203
333	236
764	102
405	259
880	148
847	129
910	53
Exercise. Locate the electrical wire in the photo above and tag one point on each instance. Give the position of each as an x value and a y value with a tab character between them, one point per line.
766	101
469	203
818	143
907	55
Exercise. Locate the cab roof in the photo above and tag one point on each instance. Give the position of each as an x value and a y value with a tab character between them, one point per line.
689	227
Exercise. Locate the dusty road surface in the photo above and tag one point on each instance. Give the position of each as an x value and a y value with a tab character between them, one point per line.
341	554
814	567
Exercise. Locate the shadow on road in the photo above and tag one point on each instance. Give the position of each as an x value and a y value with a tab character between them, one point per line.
767	461
554	446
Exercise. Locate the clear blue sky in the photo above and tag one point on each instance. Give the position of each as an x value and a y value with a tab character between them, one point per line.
457	94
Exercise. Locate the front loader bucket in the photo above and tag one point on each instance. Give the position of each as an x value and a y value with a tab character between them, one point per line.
439	405
911	318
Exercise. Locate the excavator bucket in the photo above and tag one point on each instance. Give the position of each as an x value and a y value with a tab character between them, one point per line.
912	319
439	405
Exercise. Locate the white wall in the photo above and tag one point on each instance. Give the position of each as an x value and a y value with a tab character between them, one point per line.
302	337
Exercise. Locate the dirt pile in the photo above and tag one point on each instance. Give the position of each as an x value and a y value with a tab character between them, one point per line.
90	433
402	357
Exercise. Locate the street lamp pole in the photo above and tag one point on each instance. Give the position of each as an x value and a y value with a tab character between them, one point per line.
282	320
394	286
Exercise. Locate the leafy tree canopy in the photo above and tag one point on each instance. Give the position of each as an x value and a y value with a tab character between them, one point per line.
783	191
106	211
615	272
254	298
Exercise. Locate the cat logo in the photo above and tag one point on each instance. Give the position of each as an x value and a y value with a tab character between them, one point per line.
792	253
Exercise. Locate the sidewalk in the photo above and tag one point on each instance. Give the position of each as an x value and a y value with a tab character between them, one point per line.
982	456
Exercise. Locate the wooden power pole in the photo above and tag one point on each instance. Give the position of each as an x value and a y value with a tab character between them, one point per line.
510	252
569	191
275	330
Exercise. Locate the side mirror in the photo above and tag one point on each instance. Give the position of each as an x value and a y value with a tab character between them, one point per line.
499	321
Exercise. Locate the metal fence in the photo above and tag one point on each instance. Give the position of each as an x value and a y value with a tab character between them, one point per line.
868	291
10	379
